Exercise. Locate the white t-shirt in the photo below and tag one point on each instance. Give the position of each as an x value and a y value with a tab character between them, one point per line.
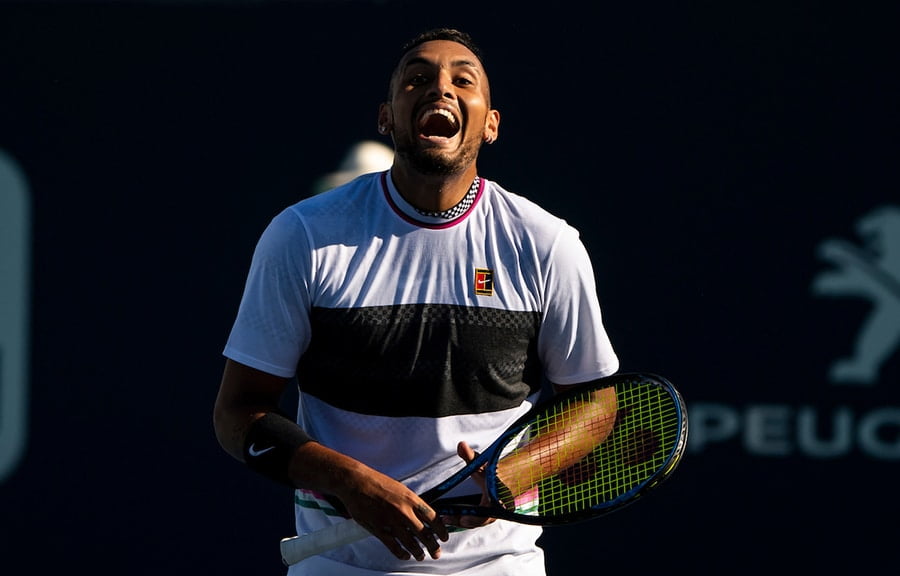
408	333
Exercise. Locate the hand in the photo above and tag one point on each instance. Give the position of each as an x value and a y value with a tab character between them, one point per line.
466	453
395	515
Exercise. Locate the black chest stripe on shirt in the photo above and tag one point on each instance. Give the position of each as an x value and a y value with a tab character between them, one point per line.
425	360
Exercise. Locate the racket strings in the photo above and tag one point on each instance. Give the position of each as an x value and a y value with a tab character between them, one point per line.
641	440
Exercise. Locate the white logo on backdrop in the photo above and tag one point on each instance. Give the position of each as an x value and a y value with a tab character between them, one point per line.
870	270
15	263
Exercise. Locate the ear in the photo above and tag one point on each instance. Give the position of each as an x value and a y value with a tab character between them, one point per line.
385	119
491	127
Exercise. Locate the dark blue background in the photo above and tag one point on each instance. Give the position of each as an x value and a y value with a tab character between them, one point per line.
704	149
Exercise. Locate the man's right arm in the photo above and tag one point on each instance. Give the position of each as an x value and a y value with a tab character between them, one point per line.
247	422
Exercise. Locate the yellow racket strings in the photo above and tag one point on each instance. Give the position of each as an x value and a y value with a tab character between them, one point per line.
567	478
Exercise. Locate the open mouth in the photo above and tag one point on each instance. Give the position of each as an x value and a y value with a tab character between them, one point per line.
438	122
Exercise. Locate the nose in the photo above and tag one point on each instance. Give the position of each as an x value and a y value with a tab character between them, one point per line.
442	85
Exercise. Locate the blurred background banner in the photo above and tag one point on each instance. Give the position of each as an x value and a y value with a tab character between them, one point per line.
732	167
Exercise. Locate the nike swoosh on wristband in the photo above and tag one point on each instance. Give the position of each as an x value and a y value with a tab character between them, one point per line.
254	452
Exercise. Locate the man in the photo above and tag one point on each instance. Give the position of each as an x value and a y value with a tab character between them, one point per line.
420	310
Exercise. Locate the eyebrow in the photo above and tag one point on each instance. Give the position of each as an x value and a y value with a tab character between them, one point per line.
465	63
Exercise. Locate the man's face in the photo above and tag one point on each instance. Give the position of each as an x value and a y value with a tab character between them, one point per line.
440	109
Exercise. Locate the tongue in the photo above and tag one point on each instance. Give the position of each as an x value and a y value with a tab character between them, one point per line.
437	125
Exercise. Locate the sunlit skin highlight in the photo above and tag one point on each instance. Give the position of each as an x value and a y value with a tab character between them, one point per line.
560	445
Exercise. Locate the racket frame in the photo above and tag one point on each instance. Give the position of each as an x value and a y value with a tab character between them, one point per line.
296	548
491	457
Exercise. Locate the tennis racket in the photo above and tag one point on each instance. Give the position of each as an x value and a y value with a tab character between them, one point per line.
581	454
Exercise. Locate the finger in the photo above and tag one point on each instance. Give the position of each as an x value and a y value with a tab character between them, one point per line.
467	521
427	530
449	520
429	539
410	541
474	521
386	536
464	451
432	523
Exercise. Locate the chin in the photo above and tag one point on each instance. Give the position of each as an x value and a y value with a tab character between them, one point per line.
434	162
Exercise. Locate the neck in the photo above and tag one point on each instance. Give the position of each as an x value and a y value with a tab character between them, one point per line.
432	193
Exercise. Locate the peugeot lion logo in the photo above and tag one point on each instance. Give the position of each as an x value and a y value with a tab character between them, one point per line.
870	271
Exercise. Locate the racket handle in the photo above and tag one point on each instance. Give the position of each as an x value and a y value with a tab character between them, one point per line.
297	548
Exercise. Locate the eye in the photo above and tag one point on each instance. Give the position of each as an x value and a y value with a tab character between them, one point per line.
418	80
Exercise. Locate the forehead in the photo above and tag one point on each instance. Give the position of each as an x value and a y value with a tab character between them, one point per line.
445	53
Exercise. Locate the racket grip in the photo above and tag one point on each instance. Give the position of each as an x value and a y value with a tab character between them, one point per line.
297	548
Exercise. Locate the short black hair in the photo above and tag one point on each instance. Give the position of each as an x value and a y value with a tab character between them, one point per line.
451	34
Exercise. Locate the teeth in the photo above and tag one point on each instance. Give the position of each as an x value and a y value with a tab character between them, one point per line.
445	113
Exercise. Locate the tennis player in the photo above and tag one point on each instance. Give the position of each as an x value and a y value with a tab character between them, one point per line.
420	310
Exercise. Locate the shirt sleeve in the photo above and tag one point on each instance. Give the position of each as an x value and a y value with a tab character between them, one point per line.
272	327
573	342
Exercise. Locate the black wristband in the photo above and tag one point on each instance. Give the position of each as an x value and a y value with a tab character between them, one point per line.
270	444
